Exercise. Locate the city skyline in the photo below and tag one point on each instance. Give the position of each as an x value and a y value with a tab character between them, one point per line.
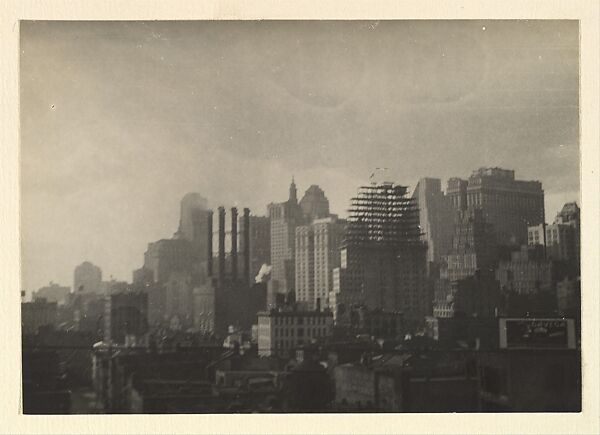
105	169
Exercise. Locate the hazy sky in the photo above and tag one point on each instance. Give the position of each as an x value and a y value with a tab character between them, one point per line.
120	120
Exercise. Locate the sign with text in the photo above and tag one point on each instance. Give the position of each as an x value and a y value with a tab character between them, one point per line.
537	334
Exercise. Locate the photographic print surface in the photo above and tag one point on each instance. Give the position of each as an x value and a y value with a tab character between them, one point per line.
300	216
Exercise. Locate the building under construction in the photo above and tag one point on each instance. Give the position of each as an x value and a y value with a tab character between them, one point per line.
383	260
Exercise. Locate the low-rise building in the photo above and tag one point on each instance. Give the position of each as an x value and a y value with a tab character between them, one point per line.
474	296
530	380
280	332
219	305
118	370
53	293
37	314
376	323
537	367
406	383
126	318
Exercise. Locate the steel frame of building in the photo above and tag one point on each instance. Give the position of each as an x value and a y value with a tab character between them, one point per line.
383	216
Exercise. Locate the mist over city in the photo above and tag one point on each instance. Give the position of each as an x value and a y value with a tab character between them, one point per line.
121	119
303	216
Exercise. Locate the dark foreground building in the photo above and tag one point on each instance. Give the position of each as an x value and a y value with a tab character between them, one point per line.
530	380
44	383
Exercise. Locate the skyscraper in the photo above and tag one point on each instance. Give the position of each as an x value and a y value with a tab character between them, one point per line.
383	260
509	205
172	267
558	240
328	237
561	240
317	254
473	253
435	216
87	278
314	203
284	217
473	247
167	256
193	224
305	266
570	215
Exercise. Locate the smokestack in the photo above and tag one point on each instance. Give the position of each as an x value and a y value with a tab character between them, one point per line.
246	252
221	244
234	247
209	247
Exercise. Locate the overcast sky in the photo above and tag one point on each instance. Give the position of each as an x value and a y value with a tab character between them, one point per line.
120	120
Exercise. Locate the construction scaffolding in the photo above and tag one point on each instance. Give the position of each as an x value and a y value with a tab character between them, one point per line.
383	216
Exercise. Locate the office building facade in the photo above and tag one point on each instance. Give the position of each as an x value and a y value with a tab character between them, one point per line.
281	332
435	218
317	255
473	246
510	205
284	218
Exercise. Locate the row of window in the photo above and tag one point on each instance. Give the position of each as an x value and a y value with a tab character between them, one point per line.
549	235
474	199
310	332
299	320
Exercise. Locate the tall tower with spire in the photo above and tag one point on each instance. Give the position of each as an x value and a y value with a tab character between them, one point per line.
293	192
284	217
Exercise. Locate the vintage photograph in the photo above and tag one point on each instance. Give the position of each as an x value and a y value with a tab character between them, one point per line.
300	216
